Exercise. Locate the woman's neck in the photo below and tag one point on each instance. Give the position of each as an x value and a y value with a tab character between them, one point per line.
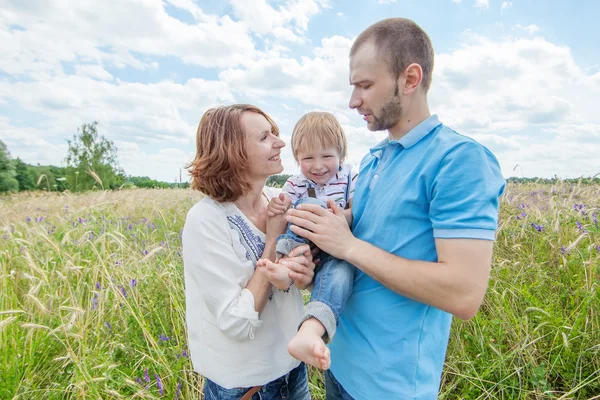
253	201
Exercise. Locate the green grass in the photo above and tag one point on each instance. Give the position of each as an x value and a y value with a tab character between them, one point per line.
92	297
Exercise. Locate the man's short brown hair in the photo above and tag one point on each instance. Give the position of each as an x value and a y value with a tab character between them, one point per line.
318	129
400	42
221	163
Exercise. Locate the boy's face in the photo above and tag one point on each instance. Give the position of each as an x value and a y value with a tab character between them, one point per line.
319	165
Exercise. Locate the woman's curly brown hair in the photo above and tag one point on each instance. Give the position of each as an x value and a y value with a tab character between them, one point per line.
220	166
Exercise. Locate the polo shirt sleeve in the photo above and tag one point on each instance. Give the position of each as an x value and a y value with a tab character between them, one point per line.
465	194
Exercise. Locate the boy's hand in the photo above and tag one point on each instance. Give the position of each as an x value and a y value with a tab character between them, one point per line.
278	205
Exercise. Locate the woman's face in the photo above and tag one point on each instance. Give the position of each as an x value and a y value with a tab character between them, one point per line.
262	146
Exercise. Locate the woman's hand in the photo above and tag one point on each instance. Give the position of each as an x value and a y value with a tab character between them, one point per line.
301	266
298	264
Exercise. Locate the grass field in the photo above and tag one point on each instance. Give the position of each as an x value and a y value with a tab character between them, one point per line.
92	302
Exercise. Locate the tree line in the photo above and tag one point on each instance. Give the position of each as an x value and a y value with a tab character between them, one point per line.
91	163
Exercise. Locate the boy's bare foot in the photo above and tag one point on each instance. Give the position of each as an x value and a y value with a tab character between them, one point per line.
308	345
277	274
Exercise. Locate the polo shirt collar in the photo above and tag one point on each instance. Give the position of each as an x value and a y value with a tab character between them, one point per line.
411	138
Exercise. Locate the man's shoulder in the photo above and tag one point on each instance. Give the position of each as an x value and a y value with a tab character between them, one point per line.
448	140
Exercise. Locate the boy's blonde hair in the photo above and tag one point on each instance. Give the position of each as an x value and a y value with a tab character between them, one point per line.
318	130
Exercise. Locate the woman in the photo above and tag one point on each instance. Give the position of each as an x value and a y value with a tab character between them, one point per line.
238	323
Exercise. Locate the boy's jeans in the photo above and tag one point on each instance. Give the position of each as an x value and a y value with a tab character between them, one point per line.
333	281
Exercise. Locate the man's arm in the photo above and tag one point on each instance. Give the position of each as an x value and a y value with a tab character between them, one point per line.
456	283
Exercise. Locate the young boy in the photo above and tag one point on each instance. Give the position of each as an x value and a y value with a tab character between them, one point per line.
319	147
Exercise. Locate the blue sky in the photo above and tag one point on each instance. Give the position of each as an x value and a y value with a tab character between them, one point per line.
522	76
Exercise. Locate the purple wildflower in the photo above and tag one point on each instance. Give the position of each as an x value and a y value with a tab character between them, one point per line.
163	338
123	291
98	286
579	226
159	384
563	250
178	392
5	237
109	326
145	252
537	227
28	219
82	220
138	380
117	263
39	219
95	301
146	376
133	283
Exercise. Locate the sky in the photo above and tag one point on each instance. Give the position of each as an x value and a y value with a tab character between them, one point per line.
522	77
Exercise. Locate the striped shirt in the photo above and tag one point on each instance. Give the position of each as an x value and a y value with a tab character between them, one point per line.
340	188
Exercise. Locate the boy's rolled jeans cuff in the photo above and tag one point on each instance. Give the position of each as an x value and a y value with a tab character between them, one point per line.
286	244
322	312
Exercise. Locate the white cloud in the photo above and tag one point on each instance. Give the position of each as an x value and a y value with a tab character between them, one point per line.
93	71
118	34
457	1
529	28
152	115
526	99
482	3
260	17
386	1
505	5
318	81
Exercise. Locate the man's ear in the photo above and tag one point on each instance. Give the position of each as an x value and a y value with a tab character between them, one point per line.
412	77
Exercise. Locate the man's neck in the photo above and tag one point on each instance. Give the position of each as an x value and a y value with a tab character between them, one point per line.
413	117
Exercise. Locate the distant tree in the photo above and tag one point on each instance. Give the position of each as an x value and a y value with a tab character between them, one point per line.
25	175
8	182
92	161
277	180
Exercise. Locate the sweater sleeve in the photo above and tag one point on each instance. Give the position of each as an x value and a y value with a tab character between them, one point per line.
213	268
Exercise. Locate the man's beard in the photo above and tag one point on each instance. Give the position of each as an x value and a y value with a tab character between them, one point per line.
389	115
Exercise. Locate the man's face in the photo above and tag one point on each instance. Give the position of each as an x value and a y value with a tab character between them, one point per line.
376	93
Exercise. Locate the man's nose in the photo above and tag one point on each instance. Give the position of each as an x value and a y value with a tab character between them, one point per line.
355	100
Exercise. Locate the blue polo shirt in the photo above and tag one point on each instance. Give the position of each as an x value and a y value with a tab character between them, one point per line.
431	183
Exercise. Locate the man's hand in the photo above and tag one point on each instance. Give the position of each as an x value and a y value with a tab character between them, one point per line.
329	231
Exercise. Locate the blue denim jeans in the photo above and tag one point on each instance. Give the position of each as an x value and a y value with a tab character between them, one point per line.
333	389
292	386
333	280
333	285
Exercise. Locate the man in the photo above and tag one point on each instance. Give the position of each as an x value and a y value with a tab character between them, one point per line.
425	214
